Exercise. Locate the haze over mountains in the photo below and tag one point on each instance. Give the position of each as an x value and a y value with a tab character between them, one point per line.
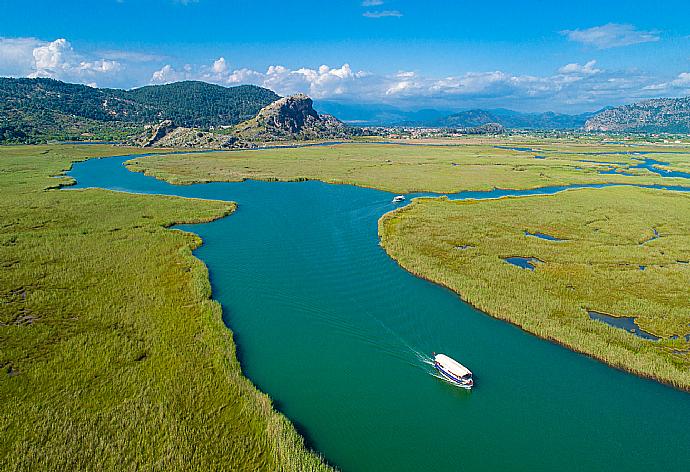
387	115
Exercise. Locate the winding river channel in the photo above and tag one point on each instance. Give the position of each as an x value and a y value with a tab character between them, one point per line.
340	337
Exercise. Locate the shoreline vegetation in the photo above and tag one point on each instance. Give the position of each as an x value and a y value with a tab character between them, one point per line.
112	353
563	318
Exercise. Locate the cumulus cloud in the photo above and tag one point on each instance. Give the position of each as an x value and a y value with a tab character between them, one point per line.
583	86
31	57
586	69
680	84
611	35
16	56
382	14
322	82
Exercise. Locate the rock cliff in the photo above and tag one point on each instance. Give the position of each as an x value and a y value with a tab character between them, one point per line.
292	118
670	115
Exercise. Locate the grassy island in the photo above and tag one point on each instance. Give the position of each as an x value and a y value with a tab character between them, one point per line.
621	251
112	354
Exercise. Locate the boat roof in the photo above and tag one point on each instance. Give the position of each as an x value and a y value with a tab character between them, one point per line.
452	365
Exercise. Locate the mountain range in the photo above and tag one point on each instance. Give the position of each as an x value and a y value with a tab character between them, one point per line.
387	115
37	110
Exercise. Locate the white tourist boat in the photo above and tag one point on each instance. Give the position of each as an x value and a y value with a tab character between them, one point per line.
399	198
453	371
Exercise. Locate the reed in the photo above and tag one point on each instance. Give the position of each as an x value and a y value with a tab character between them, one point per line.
607	234
112	354
466	165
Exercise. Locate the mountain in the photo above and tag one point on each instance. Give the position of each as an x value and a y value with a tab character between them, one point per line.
291	118
513	119
466	119
387	115
379	114
34	110
670	115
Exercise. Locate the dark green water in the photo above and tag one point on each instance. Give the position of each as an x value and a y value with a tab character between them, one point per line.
337	334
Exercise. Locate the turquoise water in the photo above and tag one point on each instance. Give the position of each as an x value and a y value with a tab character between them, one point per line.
339	336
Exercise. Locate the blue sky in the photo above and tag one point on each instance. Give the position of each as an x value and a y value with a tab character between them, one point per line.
531	55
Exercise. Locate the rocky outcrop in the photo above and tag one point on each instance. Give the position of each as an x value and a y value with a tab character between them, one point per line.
167	135
157	132
289	114
292	118
670	115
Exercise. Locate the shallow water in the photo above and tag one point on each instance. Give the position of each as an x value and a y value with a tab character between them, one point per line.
339	336
626	323
545	236
529	263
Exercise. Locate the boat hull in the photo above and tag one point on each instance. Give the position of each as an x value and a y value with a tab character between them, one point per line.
468	384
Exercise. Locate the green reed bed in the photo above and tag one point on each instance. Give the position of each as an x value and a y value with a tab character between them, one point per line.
607	234
404	168
112	354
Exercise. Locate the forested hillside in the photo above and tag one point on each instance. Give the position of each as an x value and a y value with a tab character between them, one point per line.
36	110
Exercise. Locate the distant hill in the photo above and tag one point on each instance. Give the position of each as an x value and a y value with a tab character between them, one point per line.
671	115
387	115
34	110
513	119
379	114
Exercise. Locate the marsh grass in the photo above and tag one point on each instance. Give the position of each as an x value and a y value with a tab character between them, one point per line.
112	354
606	235
403	168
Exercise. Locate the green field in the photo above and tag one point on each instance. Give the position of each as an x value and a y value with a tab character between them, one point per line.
112	355
400	168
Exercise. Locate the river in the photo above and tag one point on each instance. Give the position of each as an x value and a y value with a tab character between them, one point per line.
340	336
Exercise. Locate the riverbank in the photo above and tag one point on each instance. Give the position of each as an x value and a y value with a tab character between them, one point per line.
619	250
112	354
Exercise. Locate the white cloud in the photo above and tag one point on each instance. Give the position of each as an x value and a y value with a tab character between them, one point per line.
611	35
680	83
16	56
220	66
372	3
322	82
586	69
31	57
382	14
582	86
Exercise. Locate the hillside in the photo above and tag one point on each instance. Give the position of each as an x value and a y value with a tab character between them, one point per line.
670	115
199	104
36	110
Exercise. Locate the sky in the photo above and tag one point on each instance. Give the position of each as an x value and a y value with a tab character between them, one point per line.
532	55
